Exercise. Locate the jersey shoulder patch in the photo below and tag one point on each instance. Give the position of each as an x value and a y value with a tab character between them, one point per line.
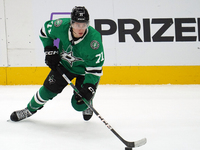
94	44
58	22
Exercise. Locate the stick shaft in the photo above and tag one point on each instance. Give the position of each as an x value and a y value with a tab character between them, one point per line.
91	107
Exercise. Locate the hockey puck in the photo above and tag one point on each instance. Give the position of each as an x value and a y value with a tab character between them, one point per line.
128	148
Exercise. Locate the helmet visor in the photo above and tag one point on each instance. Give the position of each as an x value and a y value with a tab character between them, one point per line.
78	25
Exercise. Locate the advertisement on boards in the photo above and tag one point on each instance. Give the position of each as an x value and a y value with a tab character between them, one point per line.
145	33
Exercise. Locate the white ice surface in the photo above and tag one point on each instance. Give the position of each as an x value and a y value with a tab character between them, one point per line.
167	115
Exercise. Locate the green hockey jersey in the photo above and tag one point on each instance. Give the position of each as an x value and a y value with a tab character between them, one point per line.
84	56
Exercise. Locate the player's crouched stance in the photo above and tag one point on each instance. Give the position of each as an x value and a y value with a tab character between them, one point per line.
80	55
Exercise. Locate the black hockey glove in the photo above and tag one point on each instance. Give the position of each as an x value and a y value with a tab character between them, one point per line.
86	92
52	57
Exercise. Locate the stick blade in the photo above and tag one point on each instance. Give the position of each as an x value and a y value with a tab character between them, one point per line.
135	143
140	142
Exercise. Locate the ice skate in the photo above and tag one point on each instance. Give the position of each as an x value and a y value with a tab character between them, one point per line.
87	114
21	114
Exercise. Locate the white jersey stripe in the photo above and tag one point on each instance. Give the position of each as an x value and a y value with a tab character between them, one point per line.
93	68
96	74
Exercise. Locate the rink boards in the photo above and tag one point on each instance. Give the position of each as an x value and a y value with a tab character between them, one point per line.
148	42
111	75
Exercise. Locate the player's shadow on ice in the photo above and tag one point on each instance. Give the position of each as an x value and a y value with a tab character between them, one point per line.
70	128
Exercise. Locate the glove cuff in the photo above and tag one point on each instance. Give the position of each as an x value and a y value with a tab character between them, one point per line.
87	91
90	87
50	48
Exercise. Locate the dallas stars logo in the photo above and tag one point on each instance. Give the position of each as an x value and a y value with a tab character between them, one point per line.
69	57
51	79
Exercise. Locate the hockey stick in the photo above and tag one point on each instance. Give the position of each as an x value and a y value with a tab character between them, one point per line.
127	143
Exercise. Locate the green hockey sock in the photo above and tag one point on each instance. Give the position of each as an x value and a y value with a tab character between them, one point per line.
40	98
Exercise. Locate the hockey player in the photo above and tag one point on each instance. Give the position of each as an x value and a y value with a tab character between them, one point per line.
80	55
